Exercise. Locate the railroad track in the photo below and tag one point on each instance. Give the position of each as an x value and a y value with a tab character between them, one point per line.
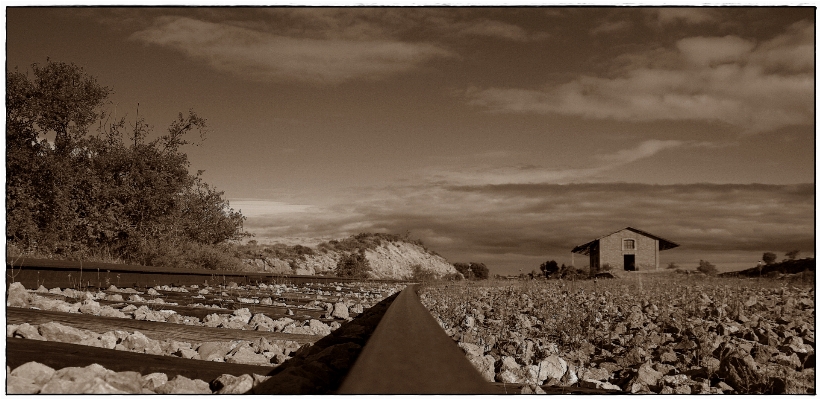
61	273
393	347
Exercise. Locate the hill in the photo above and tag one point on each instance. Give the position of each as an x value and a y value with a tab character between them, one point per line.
784	267
391	257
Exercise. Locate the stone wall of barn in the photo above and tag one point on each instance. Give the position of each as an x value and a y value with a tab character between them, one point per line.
612	251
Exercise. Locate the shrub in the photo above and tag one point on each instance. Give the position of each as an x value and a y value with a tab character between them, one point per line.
354	265
549	268
473	271
672	266
707	268
422	274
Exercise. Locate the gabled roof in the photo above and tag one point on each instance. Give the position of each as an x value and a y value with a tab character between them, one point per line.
663	243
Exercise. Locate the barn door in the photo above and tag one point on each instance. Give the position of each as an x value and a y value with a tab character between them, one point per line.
629	262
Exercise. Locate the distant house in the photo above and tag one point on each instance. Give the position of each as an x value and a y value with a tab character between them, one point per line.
626	249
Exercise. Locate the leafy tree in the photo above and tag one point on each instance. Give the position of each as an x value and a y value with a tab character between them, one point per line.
792	255
549	268
473	271
112	193
354	265
707	268
769	257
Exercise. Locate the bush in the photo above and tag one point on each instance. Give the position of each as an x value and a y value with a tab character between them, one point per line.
549	268
422	274
572	273
354	265
707	268
473	271
672	266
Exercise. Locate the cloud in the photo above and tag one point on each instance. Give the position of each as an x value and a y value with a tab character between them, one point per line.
610	27
724	80
690	16
517	224
369	23
707	51
534	174
265	56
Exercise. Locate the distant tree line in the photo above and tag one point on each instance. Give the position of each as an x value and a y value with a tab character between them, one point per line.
108	194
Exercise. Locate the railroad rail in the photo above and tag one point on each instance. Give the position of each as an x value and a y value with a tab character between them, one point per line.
409	353
74	274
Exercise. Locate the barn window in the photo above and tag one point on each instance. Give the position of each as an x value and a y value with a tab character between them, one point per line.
629	243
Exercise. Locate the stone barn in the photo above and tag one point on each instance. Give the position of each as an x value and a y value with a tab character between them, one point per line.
627	249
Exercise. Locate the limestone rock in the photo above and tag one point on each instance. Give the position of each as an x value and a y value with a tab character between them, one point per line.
183	385
154	380
126	381
138	342
552	367
53	331
90	306
246	355
318	328
340	311
28	331
230	385
261	322
108	311
215	351
38	373
18	296
243	314
739	371
280	324
21	386
145	313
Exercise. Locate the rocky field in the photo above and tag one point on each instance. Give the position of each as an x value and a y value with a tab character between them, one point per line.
661	333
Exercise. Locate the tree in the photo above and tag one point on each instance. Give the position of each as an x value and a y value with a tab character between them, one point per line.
792	255
113	192
549	267
769	257
707	268
354	265
473	271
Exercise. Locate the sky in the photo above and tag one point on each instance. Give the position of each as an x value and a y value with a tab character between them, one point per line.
504	135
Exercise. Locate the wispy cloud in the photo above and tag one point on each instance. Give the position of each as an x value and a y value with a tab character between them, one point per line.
608	27
534	174
725	79
685	15
265	56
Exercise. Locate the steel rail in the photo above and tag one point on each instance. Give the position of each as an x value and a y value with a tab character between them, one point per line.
62	273
409	353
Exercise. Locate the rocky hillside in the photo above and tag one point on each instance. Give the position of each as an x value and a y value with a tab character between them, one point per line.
390	257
